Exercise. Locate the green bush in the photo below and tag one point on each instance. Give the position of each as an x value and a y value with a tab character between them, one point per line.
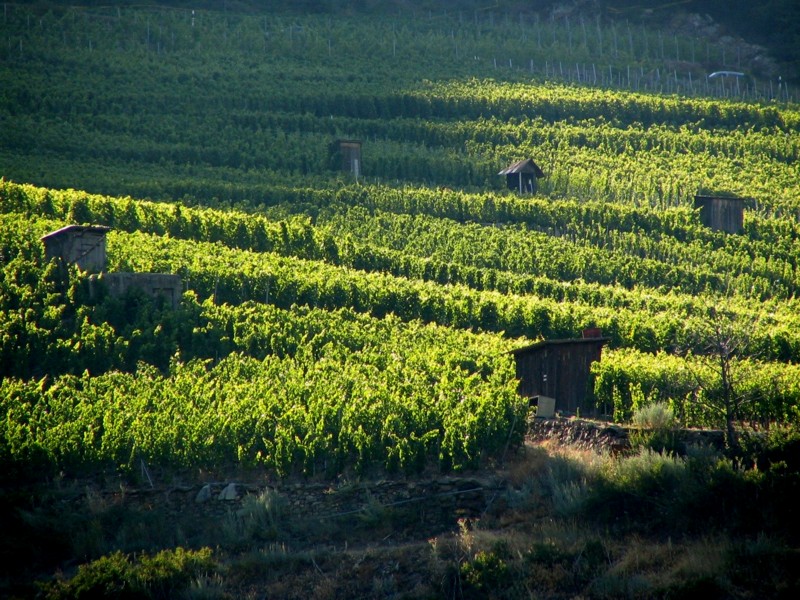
644	488
655	428
657	415
486	574
257	520
117	575
778	449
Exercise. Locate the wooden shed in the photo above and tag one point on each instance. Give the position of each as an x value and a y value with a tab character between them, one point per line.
81	245
721	213
522	176
560	369
346	155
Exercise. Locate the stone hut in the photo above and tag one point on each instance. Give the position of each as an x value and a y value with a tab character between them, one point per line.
156	285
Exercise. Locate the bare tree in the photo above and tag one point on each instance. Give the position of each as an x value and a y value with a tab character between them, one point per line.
720	341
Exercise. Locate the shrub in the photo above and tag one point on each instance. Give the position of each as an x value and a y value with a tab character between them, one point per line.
777	450
258	519
657	415
655	428
117	575
487	573
643	487
569	478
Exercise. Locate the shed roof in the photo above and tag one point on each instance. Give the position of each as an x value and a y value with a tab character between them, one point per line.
705	198
76	229
523	166
546	343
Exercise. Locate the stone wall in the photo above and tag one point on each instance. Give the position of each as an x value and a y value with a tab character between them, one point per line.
416	507
401	507
582	434
609	437
169	287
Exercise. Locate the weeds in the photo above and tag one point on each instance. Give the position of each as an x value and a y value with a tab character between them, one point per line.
655	428
117	575
257	520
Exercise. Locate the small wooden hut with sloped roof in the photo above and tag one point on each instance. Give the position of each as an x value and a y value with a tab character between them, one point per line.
346	155
721	213
561	370
81	245
522	176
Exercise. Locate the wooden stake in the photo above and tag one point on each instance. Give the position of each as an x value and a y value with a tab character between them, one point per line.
599	36
630	39
569	34
585	38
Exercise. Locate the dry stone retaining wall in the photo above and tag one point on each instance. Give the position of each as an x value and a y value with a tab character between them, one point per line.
607	437
436	503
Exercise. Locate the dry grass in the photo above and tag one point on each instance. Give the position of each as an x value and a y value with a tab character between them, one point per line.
543	536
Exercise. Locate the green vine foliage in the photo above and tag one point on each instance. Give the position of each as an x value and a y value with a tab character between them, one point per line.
330	324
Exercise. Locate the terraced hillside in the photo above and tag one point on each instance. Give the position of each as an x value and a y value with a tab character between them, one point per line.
334	326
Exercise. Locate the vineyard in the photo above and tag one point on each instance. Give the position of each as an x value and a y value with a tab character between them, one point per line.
247	206
334	324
